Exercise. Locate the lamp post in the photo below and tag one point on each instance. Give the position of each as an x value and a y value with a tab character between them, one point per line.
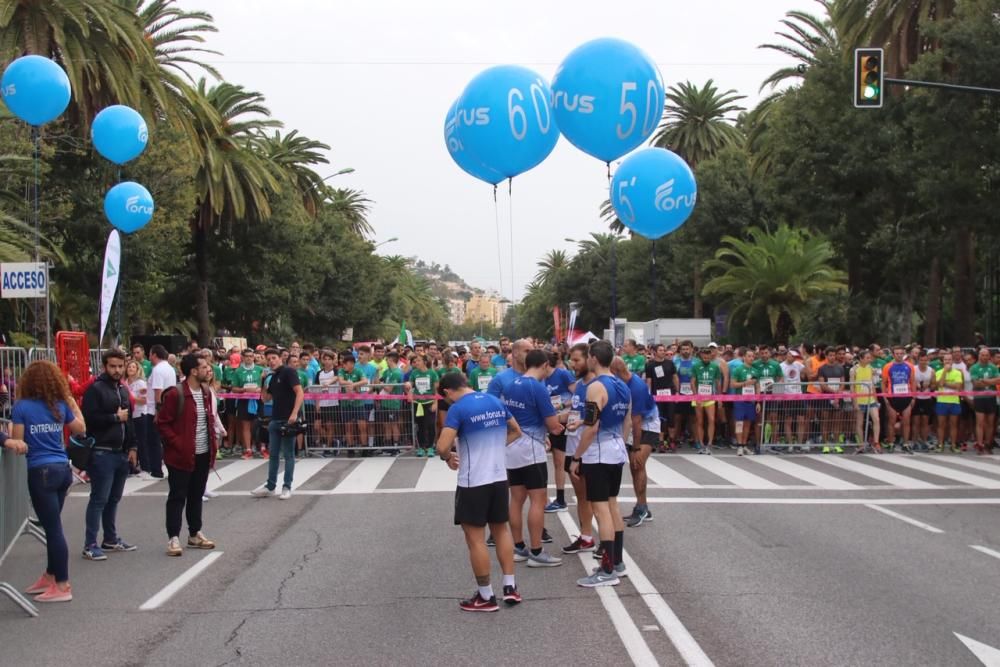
392	240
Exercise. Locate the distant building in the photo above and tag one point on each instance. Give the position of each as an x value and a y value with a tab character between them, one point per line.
457	311
489	308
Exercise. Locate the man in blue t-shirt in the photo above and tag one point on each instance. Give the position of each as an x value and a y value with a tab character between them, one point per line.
504	378
560	383
474	440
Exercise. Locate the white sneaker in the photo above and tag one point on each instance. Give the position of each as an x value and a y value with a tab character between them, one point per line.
740	451
262	492
211	494
145	476
286	493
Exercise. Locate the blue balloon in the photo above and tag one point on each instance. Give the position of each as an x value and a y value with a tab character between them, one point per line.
119	133
35	89
128	206
653	192
504	120
608	97
461	156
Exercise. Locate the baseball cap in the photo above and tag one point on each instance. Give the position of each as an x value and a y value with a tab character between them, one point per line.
795	353
260	348
932	350
713	344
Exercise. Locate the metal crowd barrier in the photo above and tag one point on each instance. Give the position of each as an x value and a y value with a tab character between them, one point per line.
12	363
47	353
15	512
810	414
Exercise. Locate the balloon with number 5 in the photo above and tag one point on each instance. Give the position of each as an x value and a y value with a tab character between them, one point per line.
35	89
504	119
608	97
461	156
128	206
653	192
119	133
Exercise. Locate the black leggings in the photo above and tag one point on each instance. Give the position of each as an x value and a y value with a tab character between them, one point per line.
425	428
186	490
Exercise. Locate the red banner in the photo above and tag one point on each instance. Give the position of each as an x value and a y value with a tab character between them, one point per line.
557	317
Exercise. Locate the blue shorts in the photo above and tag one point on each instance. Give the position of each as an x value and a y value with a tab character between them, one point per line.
948	409
744	412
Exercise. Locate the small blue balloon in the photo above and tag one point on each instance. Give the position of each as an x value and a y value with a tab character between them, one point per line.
461	156
35	89
119	133
128	206
504	120
608	97
653	192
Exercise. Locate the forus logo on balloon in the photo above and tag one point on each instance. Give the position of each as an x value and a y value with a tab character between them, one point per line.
477	116
664	202
578	103
132	206
143	134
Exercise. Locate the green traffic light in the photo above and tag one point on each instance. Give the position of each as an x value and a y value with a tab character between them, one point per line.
870	92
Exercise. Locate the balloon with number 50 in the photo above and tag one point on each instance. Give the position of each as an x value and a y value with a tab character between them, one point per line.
608	97
653	192
504	120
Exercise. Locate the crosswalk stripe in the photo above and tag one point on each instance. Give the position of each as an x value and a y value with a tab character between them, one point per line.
365	477
814	477
305	469
733	474
892	478
981	464
666	477
947	473
436	476
133	484
230	471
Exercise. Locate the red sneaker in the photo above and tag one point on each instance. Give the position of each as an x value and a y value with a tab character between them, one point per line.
247	454
511	596
477	603
40	586
264	454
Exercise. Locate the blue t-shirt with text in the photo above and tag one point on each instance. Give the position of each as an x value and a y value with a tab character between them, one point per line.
43	432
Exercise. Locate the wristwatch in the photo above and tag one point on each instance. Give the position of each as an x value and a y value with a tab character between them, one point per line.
576	460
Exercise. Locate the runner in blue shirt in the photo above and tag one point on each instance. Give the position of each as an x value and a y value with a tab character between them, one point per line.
560	383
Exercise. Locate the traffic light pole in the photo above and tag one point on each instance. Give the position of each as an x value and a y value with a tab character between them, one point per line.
945	86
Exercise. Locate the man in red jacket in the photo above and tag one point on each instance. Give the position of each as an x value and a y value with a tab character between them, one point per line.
189	448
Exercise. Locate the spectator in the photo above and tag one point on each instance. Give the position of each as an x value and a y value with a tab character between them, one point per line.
283	386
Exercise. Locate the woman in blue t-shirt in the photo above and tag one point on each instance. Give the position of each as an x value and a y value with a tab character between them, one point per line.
44	406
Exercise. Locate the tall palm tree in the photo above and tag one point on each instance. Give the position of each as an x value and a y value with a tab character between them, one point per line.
353	206
776	274
98	42
550	266
175	36
411	300
699	122
234	177
895	25
292	156
806	36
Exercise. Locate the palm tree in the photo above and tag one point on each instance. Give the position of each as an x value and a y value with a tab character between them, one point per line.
353	206
174	33
895	25
807	36
550	266
776	274
234	177
698	122
411	300
292	156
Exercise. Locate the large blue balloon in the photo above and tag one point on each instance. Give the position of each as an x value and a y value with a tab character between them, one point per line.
128	206
653	192
35	89
461	156
119	133
504	120
608	97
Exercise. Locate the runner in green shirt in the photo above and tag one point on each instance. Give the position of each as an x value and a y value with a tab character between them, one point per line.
423	382
479	378
352	380
985	376
391	383
246	379
706	379
635	361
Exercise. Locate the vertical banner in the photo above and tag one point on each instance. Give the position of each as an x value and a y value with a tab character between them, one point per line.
574	310
557	318
109	278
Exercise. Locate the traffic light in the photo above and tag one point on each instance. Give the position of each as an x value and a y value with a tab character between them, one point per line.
868	78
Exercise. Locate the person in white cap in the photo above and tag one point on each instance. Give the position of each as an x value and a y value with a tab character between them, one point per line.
792	370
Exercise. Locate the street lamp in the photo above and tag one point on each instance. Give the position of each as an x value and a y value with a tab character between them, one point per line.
392	240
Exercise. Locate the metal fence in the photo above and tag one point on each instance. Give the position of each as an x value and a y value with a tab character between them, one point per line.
15	509
808	414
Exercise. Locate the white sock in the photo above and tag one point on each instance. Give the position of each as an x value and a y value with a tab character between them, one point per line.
486	592
508	580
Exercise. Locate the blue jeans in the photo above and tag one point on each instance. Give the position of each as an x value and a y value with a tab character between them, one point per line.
108	472
279	446
47	485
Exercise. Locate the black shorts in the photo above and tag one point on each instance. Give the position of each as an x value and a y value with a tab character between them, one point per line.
604	480
535	476
666	415
924	407
329	414
387	415
985	404
231	407
683	408
567	463
649	439
309	412
558	442
480	505
243	410
967	410
900	404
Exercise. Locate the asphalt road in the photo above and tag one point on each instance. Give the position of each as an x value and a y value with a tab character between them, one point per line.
803	563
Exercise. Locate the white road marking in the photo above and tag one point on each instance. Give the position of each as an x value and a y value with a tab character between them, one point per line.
732	473
437	476
691	653
896	515
134	484
895	479
666	477
947	473
979	463
365	477
231	471
305	469
985	653
814	477
986	550
180	582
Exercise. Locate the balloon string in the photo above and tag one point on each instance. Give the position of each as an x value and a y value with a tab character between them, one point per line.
36	217
510	222
608	165
496	216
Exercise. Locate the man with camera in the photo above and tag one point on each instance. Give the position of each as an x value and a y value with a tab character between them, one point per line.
283	388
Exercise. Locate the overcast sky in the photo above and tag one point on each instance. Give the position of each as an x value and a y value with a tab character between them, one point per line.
375	78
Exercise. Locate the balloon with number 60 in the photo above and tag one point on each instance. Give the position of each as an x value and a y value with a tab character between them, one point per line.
608	97
504	119
653	192
461	156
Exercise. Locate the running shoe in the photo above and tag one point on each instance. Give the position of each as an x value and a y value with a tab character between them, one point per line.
521	554
546	538
543	559
477	603
264	454
174	547
199	541
619	570
825	450
490	542
94	552
555	506
838	450
740	451
118	545
263	492
286	493
40	586
511	596
638	516
906	449
247	454
419	452
578	545
211	494
599	552
55	594
980	449
599	578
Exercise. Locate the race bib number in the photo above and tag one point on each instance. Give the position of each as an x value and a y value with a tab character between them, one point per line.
423	385
483	381
662	392
658	371
250	385
686	390
834	385
900	388
765	384
793	389
705	389
748	390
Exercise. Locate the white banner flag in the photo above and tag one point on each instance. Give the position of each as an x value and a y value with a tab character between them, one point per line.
109	278
574	310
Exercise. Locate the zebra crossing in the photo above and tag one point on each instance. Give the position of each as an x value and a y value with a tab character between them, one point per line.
676	472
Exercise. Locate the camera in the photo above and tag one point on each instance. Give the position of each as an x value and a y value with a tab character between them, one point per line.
295	429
